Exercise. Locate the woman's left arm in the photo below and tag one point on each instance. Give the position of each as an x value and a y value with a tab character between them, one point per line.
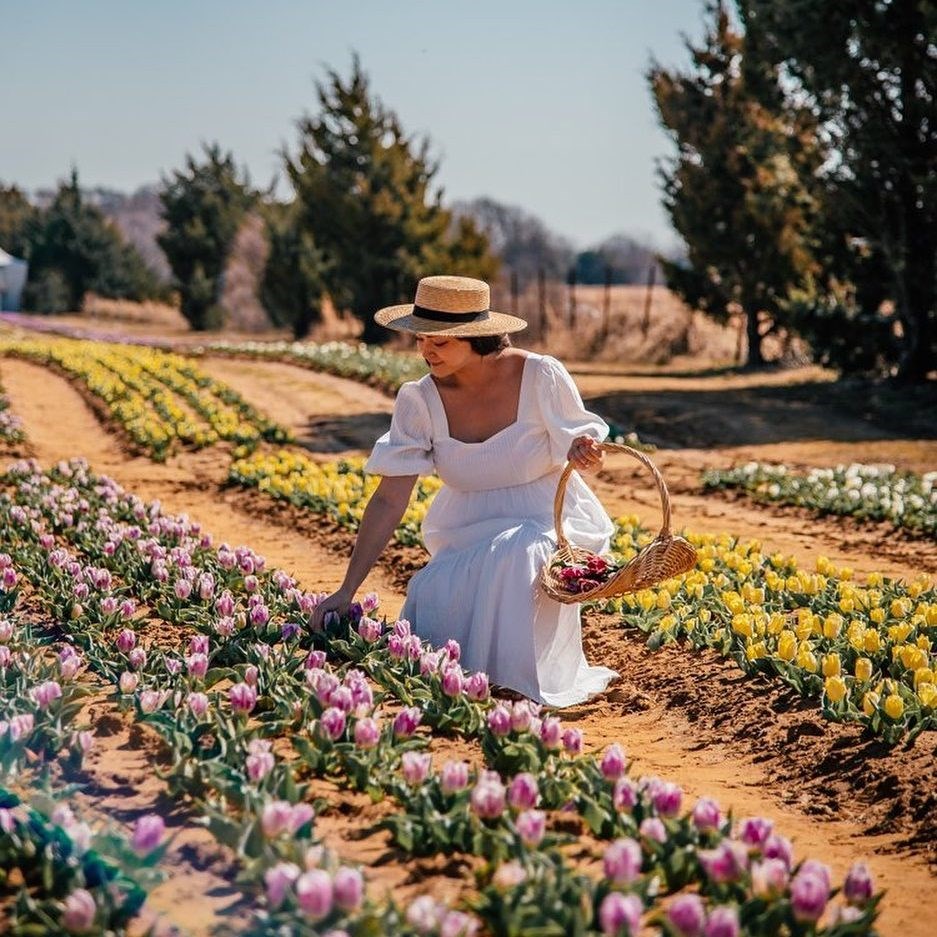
586	455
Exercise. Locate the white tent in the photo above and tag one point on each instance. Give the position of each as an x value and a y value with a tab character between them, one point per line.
12	280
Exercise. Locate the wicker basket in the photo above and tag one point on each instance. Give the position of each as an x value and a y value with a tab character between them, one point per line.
665	556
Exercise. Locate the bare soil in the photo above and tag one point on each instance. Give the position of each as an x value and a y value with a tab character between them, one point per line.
687	716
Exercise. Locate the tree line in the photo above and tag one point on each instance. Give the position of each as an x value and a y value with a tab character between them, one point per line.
804	182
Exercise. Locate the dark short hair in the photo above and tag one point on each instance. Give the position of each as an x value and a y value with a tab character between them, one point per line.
489	344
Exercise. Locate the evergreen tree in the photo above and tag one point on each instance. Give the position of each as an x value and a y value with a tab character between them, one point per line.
203	206
365	197
869	70
17	220
734	190
72	249
292	286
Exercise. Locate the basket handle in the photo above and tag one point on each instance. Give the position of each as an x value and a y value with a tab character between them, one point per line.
561	541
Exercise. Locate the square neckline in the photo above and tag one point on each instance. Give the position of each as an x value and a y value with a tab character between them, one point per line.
504	429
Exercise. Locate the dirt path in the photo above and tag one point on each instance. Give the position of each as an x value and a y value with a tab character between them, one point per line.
664	736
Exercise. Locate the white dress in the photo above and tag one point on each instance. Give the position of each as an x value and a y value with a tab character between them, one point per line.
490	529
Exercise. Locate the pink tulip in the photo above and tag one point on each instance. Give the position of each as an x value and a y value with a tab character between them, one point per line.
242	697
79	912
332	723
488	795
521	715
809	896
452	681
259	765
126	640
620	912
653	829
278	880
523	792
415	767
572	741
197	665
197	703
454	776
315	894
612	765
499	721
348	888
45	693
137	658
551	732
407	721
476	686
367	733
622	861
707	817
370	630
531	826
769	879
147	834
723	922
858	887
754	831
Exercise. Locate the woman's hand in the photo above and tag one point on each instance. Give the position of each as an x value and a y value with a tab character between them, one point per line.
586	455
336	602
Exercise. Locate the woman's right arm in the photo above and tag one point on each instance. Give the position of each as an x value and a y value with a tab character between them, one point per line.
378	523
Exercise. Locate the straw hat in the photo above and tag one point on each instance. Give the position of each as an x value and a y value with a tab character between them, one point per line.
456	306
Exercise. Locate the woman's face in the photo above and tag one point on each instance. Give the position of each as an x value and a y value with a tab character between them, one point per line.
444	356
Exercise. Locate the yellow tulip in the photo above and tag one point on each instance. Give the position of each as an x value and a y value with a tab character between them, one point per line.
870	703
832	666
832	625
863	669
894	706
924	675
927	694
835	688
787	645
872	643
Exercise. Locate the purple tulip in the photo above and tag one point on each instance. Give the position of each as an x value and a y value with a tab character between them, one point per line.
487	797
523	792
707	817
687	916
128	682
300	815
499	721
259	615
424	914
128	608
198	644
251	583
754	831
452	681
369	602
779	847
45	693
275	818
9	578
809	896
814	867
108	605
224	604
723	922
572	741
370	630
415	767
197	665
126	640
224	627
147	834
342	698
531	826
551	732
198	704
622	861
278	880
6	630
769	878
624	795
407	721
315	894
332	723
653	829
454	776
79	912
726	863
242	697
667	798
348	887
315	659
259	765
458	924
251	675
367	733
182	589
613	762
858	887
137	658
521	716
619	913
396	647
476	686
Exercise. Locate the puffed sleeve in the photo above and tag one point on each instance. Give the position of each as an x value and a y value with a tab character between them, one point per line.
564	415
407	447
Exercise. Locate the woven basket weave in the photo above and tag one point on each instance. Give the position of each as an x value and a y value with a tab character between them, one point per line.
665	556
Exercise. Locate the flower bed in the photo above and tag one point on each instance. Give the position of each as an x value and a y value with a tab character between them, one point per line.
253	707
872	492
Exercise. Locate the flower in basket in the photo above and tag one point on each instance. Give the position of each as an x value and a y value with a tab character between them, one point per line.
584	577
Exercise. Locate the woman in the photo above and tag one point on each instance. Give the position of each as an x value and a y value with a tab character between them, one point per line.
497	424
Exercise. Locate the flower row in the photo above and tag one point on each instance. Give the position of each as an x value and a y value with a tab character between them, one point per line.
866	650
873	492
159	399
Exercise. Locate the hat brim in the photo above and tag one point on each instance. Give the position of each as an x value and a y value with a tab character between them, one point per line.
401	319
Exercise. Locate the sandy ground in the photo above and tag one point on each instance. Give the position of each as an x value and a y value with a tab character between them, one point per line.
688	717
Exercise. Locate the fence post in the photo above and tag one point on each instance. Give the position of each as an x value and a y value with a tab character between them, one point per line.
542	301
607	303
571	282
648	299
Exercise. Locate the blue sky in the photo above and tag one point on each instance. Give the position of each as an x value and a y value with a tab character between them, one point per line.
538	104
